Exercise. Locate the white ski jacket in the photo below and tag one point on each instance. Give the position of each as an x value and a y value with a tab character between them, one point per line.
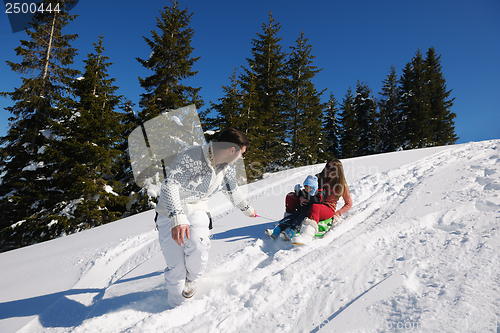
191	181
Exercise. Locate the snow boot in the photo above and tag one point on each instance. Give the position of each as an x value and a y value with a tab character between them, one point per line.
189	289
273	233
288	234
308	229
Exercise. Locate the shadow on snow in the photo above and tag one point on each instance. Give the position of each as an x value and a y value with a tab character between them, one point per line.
248	232
57	310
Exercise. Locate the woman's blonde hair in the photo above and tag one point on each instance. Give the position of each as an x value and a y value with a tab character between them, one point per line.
335	184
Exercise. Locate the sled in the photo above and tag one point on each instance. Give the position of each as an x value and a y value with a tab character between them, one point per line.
324	226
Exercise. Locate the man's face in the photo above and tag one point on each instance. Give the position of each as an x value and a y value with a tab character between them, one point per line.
235	155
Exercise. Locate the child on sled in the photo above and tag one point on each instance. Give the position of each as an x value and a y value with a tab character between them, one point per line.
331	180
297	207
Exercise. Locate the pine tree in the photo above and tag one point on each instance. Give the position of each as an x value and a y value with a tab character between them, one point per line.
389	115
415	104
171	63
229	109
441	118
139	199
264	80
331	128
250	104
27	172
424	103
305	110
350	132
89	152
365	109
250	122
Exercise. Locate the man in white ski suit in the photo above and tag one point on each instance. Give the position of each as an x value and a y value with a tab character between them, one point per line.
196	174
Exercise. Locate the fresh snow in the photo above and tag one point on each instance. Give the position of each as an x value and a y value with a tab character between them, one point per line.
109	189
33	166
419	251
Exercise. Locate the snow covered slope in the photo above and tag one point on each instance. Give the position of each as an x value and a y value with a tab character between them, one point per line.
418	251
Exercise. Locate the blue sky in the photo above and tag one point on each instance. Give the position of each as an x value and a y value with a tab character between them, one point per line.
352	40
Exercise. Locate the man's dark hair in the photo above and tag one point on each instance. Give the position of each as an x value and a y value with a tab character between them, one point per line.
230	137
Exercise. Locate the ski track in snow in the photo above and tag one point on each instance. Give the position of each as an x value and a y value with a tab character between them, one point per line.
418	250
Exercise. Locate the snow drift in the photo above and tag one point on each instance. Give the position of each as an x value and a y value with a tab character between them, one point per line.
418	251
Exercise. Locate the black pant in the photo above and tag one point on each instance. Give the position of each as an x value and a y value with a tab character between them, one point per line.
293	220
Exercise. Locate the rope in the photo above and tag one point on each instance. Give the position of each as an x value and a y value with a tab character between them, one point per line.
267	218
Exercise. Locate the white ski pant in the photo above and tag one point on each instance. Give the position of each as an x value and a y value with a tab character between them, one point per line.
185	261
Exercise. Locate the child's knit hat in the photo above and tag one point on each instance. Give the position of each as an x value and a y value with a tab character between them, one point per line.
313	182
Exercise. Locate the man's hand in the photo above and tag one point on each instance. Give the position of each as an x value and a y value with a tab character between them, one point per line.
178	233
254	214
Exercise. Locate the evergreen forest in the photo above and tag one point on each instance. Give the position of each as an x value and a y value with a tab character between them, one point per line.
64	162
